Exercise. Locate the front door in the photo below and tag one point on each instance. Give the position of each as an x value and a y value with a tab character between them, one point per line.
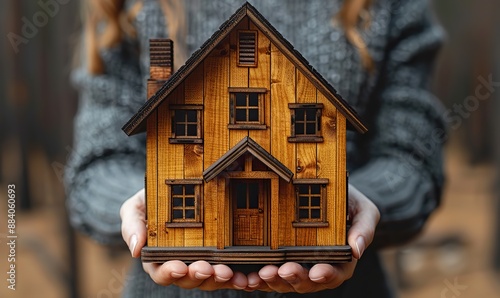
248	201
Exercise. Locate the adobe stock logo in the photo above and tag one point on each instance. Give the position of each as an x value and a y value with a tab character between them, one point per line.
30	28
484	89
453	290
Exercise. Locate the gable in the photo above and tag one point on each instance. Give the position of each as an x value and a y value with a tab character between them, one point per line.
137	123
247	145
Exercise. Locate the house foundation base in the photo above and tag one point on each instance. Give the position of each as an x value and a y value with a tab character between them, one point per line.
249	254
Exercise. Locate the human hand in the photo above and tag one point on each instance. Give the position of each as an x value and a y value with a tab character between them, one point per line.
292	277
197	275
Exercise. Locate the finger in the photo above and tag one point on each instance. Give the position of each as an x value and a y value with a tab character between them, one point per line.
365	217
269	274
219	280
330	277
239	281
167	273
256	283
298	277
198	272
133	227
222	273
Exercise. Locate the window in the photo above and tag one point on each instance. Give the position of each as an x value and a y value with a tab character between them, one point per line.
311	202
306	123
185	203
247	48
186	124
247	194
247	108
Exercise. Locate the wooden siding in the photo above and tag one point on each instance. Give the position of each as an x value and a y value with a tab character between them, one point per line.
152	180
282	93
340	208
208	85
238	77
216	137
168	168
305	156
328	168
193	153
260	77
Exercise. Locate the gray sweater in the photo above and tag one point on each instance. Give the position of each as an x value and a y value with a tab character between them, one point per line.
397	164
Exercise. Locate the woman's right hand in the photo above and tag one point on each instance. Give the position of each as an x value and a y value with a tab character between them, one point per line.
199	274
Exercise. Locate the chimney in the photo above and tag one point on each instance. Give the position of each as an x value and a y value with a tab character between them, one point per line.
161	63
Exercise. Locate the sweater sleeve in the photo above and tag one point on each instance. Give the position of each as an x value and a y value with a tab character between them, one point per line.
106	167
404	175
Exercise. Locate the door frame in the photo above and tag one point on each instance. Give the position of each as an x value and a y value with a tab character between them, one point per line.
224	214
264	195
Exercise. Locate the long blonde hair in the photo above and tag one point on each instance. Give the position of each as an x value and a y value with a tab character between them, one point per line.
352	15
117	22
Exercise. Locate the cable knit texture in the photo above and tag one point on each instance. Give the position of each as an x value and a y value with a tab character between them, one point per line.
397	164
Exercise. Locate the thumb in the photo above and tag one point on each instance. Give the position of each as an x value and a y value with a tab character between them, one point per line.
133	228
365	217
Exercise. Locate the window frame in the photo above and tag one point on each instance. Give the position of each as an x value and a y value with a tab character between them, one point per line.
241	63
317	137
197	221
311	222
254	125
198	139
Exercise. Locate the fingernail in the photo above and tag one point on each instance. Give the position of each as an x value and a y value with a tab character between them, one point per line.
319	279
133	244
239	287
221	279
268	278
360	246
199	275
177	274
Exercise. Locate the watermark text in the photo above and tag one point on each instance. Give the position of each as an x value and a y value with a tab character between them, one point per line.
11	236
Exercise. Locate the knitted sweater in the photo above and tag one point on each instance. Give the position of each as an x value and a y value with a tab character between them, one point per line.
397	164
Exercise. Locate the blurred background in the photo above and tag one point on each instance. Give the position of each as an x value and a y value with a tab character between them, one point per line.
458	254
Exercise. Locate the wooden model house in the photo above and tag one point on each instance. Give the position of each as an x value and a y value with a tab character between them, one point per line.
246	152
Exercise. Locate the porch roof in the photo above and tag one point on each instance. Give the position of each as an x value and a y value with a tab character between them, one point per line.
247	145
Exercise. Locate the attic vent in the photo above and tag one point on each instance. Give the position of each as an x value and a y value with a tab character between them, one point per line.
247	48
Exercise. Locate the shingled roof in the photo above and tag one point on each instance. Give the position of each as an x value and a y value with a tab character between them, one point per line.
137	123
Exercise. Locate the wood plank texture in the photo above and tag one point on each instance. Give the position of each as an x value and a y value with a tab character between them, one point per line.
168	168
340	209
238	77
306	152
327	168
260	77
216	137
274	228
193	89
152	179
222	201
216	69
210	216
193	153
306	156
282	93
